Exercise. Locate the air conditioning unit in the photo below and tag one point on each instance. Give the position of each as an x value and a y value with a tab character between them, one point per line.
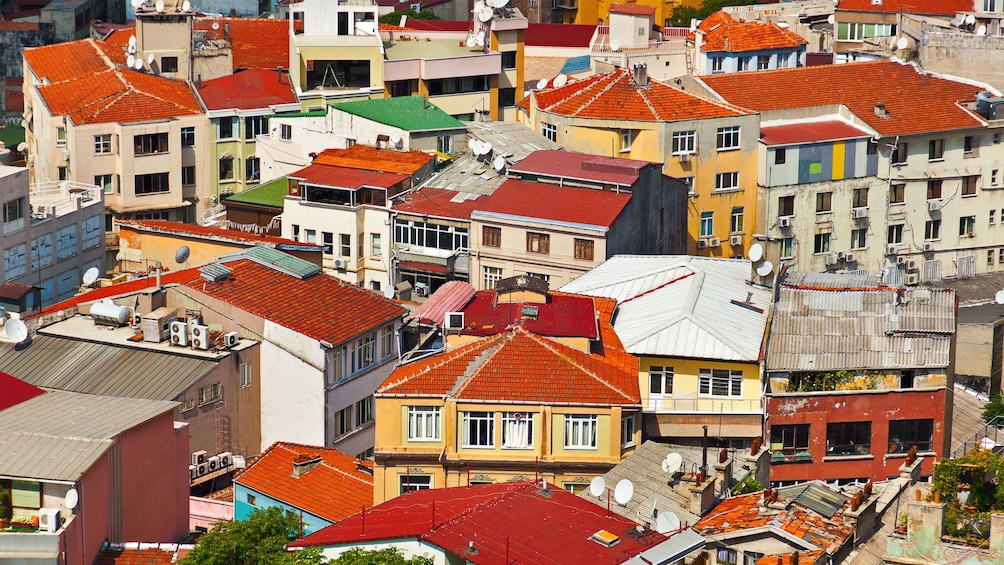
198	457
179	334
421	288
702	243
192	469
912	265
850	258
48	520
832	259
454	320
340	264
928	246
230	339
891	249
934	204
685	157
714	242
66	155
841	255
859	213
784	222
902	260
226	459
736	240
214	463
202	469
200	337
192	322
912	278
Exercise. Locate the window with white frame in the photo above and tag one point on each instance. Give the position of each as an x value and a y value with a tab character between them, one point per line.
550	131
188	137
490	276
343	421
745	63
245	370
763	62
387	341
339	355
580	431
626	137
376	245
517	430
423	423
720	382
61	136
364	411
629	425
285	132
226	168
103	144
707	224
255	126
411	483
684	142
477	429
787	247
727	181
989	5
717	64
227	128
430	234
727	138
363	353
660	380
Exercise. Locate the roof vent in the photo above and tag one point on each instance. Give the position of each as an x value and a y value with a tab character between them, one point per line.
605	538
303	463
214	272
880	110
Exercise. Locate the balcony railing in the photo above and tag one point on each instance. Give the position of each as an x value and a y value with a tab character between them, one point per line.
707	405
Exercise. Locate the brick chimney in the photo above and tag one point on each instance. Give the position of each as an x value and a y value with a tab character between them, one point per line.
303	463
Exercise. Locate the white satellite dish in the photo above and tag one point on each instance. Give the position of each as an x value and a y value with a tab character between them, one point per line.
471	143
471	41
901	43
138	64
216	25
499	163
15	330
560	81
90	275
831	19
970	19
22	147
756	252
150	58
181	255
667	522
475	145
597	486
396	138
478	6
615	44
999	297
132	38
765	268
489	3
485	14
542	83
72	498
982	30
186	6
623	492
486	148
159	5
672	463
480	40
499	4
130	61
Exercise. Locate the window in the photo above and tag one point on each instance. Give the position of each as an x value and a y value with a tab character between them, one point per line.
387	341
934	189
989	5
707	224
538	242
728	138
188	137
716	64
343	421
376	245
423	423
821	243
751	557
363	353
227	128
508	59
458	85
296	232
188	175
250	499
789	439
104	182
897	194
787	247
727	556
786	206
824	202
626	137
860	31
779	156
411	483
970	145
344	245
255	126
936	149
444	144
61	136
932	229
991	220
727	181
849	438
227	168
62	173
210	393
328	240
311	236
720	382
990	256
744	63
859	199
103	144
660	380
490	276
517	430
252	169
684	142
967	226
894	234
782	60
152	183
477	429
15	261
41	251
550	131
899	153
763	62
245	370
737	219
188	405
859	238
149	144
285	132
969	184
584	249
168	64
364	411
629	425
580	431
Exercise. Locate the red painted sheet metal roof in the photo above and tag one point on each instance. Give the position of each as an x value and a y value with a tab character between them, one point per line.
929	7
247	90
563	315
15	391
569	164
632	9
215	233
436	202
916	102
451	297
584	206
508	522
807	132
559	35
122	289
406	162
344	177
334	490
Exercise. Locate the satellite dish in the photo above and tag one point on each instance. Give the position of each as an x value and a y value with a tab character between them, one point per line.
136	4
471	41
615	44
471	143
130	61
970	19
159	5
485	14
982	30
396	138
182	254
623	491
216	25
22	147
186	6
486	148
831	19
765	268
489	3
667	522
672	463
901	43
150	58
139	64
597	486
499	163
500	4
560	81
132	38
478	6
999	297
72	498
542	83
16	330
756	252
479	41
91	275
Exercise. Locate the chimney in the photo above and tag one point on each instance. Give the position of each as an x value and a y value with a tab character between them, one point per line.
641	74
304	463
880	110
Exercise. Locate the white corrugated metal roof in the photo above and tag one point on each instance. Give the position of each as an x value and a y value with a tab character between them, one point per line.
682	306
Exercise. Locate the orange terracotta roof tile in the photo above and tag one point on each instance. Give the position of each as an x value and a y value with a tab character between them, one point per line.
116	554
916	102
803	558
335	489
247	90
512	366
120	37
722	33
614	96
370	158
256	43
930	7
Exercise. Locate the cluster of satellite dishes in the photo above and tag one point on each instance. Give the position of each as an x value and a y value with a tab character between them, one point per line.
484	11
159	5
483	151
134	60
898	44
558	82
623	492
968	22
763	268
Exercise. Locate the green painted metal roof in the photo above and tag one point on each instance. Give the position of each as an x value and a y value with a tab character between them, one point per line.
11	135
410	113
271	193
278	260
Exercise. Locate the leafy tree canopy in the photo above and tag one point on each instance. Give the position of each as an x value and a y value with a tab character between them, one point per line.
260	539
394	18
386	556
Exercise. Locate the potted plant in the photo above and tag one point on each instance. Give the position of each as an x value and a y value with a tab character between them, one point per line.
23	524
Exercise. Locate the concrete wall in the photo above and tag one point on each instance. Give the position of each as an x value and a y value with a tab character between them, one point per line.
963	55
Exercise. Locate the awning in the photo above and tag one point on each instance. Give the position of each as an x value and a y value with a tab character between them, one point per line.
422	267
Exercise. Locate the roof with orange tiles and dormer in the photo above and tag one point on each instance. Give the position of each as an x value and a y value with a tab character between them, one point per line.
89	82
247	90
616	96
723	33
924	7
915	102
332	486
364	157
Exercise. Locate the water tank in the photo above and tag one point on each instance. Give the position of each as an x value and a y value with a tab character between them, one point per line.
109	314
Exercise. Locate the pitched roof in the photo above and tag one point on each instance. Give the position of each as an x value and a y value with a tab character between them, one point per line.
927	7
551	526
802	558
682	306
335	489
562	315
723	33
162	554
558	35
247	90
615	96
632	9
344	177
88	81
581	166
538	201
436	203
451	297
217	234
809	131
15	391
410	113
364	157
916	102
272	193
483	370
256	43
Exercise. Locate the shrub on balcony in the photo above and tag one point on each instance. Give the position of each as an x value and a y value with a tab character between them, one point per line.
833	380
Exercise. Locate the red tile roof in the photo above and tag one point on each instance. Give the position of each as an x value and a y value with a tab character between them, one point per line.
217	234
334	490
723	33
117	555
256	43
247	90
18	26
558	35
486	370
615	96
928	7
540	201
581	166
120	37
507	522
632	9
805	132
436	202
15	391
916	102
365	157
344	177
89	82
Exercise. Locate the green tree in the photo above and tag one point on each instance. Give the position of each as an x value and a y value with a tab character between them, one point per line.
386	556
260	539
394	18
993	408
681	15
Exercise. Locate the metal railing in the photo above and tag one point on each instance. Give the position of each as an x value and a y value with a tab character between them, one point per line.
993	430
705	405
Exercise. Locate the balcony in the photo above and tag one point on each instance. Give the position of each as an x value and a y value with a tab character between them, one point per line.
705	405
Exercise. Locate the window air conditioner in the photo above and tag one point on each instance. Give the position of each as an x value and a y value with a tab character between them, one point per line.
934	204
192	469
928	246
226	459
214	463
784	222
902	260
685	157
714	242
859	213
702	243
832	259
891	249
736	240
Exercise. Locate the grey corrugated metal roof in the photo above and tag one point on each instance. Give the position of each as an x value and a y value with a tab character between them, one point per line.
682	306
96	368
